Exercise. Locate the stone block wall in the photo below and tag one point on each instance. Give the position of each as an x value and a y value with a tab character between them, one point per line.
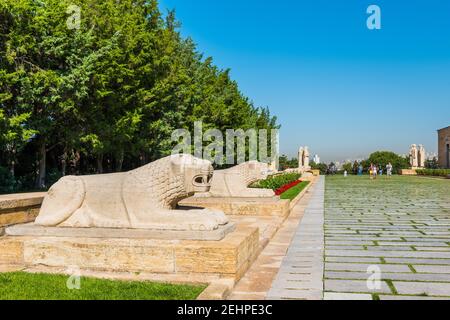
19	208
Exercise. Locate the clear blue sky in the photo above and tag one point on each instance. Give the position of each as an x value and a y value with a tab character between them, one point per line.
335	86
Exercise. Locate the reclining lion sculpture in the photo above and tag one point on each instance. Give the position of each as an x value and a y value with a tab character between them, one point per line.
144	198
234	182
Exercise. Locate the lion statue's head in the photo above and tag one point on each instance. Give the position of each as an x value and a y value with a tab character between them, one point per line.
234	182
197	173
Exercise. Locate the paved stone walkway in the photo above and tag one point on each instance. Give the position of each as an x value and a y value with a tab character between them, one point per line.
301	273
258	280
397	230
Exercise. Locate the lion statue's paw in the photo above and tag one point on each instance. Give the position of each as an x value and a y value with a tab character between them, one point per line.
219	215
205	219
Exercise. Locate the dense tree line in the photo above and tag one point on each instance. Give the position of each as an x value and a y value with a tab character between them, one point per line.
104	97
286	163
378	158
322	167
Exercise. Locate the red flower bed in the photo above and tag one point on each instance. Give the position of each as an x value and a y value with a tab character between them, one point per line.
285	188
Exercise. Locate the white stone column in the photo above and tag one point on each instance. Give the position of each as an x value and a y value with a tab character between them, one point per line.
300	158
421	156
413	156
306	159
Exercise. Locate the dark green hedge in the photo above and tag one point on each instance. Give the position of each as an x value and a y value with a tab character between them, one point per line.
434	172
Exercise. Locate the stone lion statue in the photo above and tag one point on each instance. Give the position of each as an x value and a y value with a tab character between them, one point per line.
234	182
144	198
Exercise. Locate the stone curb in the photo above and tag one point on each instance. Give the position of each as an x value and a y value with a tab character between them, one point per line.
306	245
217	290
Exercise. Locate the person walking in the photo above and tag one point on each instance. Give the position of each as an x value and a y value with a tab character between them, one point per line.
389	170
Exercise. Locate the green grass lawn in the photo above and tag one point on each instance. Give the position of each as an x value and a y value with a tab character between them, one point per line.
26	286
295	191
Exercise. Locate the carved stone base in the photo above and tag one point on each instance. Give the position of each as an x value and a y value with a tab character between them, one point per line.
241	206
32	229
229	257
408	172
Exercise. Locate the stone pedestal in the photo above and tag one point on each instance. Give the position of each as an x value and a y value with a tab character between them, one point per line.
31	229
229	257
241	206
19	208
315	173
408	172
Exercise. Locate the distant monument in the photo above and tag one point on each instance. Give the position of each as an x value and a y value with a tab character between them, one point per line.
144	198
300	158
422	157
417	156
413	156
303	159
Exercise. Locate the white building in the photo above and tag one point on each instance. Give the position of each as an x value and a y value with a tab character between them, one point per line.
432	155
316	158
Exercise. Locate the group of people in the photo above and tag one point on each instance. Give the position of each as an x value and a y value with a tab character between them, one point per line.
375	170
